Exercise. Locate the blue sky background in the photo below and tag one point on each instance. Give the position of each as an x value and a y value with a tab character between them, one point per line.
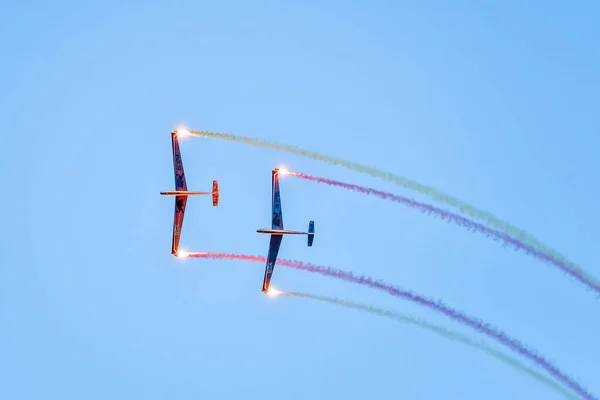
494	104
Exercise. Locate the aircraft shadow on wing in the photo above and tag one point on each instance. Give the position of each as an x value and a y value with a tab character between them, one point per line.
181	193
277	230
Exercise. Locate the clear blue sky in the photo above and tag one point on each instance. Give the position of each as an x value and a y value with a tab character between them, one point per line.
496	105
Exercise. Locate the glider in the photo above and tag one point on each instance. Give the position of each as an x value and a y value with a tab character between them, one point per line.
277	230
181	193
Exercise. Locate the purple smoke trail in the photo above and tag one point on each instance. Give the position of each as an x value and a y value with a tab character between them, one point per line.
578	274
478	325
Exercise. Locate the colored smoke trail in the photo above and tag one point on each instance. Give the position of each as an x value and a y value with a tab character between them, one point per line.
436	195
580	275
448	334
438	306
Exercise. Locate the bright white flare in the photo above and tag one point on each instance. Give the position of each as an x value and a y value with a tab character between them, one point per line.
273	292
182	132
182	254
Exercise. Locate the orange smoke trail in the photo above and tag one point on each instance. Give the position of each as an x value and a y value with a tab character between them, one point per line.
406	183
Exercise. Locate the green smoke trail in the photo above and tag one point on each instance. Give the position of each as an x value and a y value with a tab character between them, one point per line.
443	332
436	195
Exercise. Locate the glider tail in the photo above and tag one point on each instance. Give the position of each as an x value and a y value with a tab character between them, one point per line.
215	193
311	233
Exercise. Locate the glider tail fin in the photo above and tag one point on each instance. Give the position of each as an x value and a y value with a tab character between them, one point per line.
215	193
311	233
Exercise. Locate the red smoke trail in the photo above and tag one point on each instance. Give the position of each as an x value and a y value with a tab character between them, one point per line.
478	325
575	272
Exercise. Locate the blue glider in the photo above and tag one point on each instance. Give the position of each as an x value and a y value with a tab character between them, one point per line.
277	230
